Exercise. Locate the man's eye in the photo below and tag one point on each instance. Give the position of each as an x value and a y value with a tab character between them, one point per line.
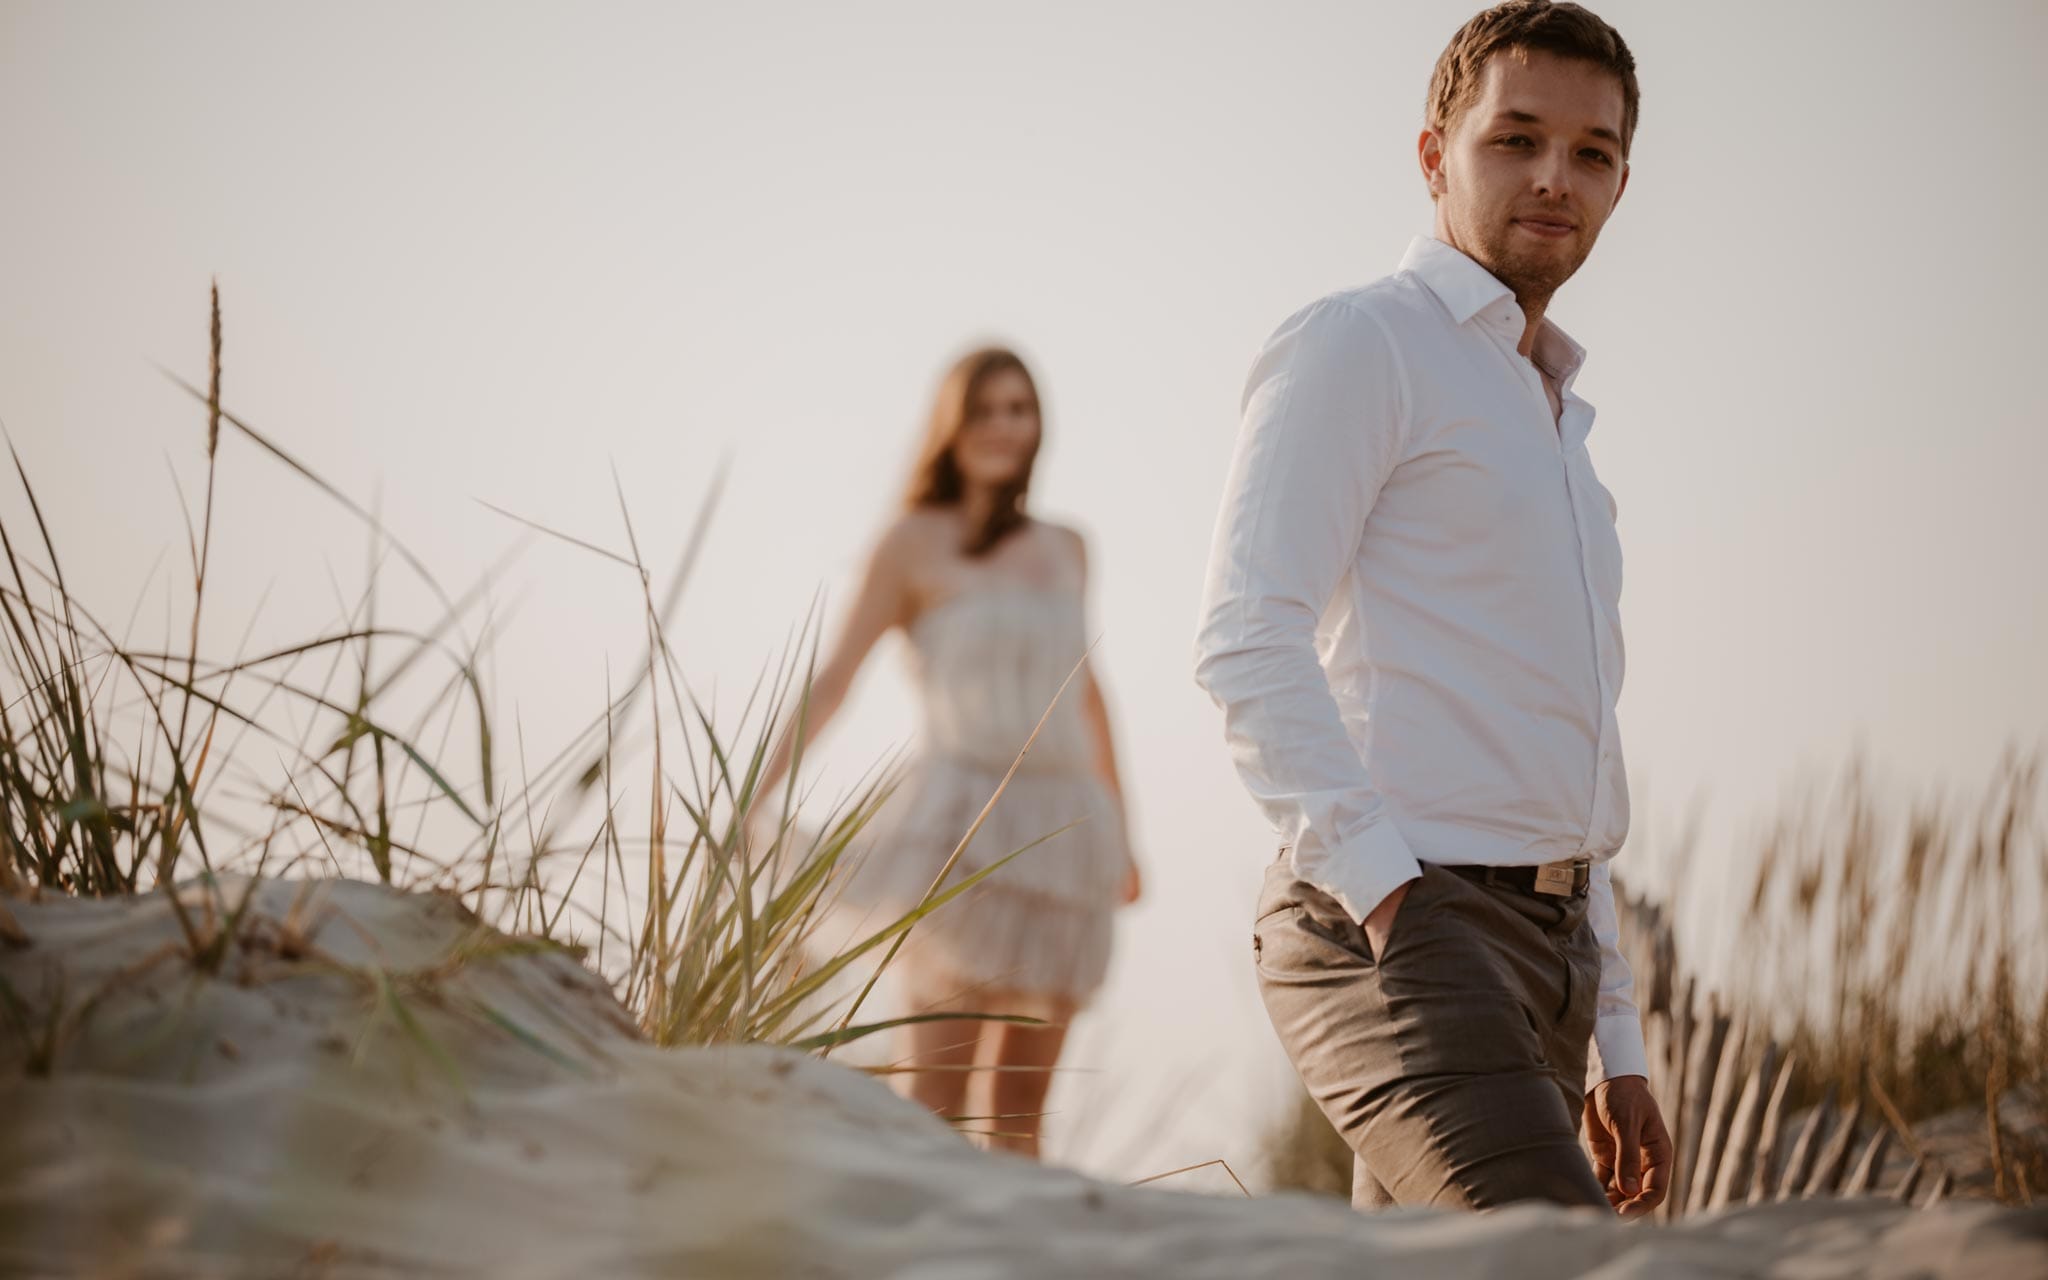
1599	156
1513	140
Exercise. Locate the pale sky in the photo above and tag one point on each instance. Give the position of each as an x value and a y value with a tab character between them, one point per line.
488	251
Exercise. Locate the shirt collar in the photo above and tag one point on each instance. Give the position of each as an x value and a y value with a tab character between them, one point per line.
1470	291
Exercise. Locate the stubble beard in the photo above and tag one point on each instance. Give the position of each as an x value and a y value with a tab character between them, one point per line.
1534	276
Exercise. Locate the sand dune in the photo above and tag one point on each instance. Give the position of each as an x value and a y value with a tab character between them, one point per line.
375	1086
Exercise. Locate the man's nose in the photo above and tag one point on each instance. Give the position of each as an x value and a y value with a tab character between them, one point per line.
1553	176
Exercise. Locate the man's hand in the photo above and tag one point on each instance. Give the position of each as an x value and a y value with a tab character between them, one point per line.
1381	922
1631	1149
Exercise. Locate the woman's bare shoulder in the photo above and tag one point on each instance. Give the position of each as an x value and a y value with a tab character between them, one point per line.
1069	539
916	536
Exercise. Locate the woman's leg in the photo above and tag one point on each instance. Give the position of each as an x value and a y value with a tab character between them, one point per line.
1023	1058
942	1054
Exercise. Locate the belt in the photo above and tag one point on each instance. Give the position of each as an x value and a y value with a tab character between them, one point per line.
1566	879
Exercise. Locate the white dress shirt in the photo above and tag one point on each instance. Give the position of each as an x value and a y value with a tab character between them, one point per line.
1412	616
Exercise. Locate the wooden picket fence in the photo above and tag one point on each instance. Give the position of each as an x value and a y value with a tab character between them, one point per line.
1724	1088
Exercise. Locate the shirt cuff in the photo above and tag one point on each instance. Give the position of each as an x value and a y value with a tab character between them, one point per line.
1617	1049
1362	871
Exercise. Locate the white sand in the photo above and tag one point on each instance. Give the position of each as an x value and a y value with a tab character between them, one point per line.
279	1123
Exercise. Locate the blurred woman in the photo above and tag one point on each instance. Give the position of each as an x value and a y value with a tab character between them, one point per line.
991	601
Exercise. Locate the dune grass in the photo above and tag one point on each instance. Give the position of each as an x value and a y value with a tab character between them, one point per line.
371	750
1894	945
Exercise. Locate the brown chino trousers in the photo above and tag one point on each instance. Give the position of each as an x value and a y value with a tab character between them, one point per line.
1453	1065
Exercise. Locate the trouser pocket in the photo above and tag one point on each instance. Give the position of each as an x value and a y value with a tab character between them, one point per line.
1432	1067
1284	897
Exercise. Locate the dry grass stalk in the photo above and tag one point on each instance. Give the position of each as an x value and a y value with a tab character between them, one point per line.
1206	1164
112	760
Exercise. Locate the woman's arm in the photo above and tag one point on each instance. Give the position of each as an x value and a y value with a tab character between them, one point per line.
884	601
1095	709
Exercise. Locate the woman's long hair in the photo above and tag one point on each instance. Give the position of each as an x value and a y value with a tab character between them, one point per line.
936	480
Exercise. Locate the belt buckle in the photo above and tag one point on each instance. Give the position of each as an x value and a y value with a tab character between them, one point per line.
1555	879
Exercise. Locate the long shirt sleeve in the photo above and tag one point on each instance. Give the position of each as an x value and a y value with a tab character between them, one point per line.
1322	429
1618	1025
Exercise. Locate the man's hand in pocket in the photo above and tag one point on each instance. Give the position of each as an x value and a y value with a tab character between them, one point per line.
1380	923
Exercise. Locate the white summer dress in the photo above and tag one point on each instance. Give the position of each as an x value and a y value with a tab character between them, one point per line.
987	663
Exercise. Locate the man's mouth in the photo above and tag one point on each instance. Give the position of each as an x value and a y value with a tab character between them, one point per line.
1548	228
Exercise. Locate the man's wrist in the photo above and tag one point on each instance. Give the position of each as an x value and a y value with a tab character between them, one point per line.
1618	1048
1385	908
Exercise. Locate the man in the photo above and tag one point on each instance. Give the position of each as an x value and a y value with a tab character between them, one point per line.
1411	622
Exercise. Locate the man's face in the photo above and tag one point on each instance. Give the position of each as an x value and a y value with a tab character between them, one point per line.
1530	171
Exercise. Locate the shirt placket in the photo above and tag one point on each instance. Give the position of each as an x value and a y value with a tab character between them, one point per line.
1603	643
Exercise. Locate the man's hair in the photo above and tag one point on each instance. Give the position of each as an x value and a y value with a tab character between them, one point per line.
1529	26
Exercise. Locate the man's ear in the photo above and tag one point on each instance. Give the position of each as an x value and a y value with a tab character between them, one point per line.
1623	188
1429	150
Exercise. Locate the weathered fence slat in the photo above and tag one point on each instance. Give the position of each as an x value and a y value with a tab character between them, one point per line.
1739	1155
1657	1048
1910	1183
1764	1176
1685	1019
1701	1066
1863	1181
1684	1029
1731	1129
1806	1148
1720	1115
1834	1158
